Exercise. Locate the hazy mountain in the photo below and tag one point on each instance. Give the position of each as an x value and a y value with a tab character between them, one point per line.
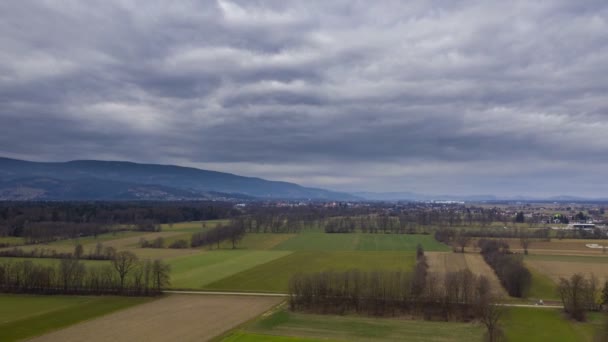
109	180
411	196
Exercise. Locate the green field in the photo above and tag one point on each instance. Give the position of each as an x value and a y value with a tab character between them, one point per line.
316	241
261	241
542	287
190	227
600	259
23	316
12	240
194	272
49	261
274	276
354	328
248	337
519	324
91	240
538	324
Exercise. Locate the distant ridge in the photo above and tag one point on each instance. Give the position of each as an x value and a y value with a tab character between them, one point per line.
411	196
120	180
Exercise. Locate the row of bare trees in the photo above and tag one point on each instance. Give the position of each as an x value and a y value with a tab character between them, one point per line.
47	221
580	294
99	252
464	295
509	268
125	275
233	232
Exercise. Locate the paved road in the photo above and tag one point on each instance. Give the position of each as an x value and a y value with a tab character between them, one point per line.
286	295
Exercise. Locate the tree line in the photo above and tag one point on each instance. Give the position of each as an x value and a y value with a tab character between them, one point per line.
234	232
463	297
100	252
509	267
125	275
580	294
45	221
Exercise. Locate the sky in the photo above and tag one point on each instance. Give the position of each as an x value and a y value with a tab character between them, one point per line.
436	97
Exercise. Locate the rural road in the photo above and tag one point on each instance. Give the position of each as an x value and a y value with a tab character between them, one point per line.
286	295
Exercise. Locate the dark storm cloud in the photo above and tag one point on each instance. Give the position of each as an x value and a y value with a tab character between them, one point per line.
439	96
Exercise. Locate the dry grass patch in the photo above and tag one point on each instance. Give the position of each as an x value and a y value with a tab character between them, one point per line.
559	247
440	263
564	269
174	318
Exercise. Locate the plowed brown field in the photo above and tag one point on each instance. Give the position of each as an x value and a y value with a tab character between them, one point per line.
441	262
174	318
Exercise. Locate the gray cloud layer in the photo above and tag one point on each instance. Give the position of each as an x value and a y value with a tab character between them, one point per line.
430	96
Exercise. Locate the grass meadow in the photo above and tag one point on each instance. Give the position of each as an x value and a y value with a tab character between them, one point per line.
12	240
537	324
316	241
274	276
519	324
310	327
23	316
50	261
194	272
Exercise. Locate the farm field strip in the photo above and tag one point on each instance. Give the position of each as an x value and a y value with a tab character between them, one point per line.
12	240
274	276
23	316
103	238
173	318
194	272
128	242
284	324
564	269
261	241
520	324
439	263
556	246
318	241
191	226
568	258
531	324
51	261
249	337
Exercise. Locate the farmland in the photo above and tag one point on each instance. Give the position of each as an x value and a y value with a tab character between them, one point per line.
556	267
530	324
560	247
316	241
439	263
520	324
23	316
354	328
265	262
194	272
274	276
190	318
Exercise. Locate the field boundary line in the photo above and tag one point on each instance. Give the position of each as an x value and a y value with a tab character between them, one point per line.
264	294
257	294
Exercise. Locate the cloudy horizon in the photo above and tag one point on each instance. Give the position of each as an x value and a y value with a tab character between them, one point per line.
437	97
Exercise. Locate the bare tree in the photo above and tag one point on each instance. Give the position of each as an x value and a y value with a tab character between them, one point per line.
572	292
160	274
123	262
78	251
525	243
490	316
462	240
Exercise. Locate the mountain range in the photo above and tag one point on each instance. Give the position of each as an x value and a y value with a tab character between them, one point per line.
118	180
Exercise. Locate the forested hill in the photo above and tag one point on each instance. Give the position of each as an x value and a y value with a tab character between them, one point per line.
109	180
